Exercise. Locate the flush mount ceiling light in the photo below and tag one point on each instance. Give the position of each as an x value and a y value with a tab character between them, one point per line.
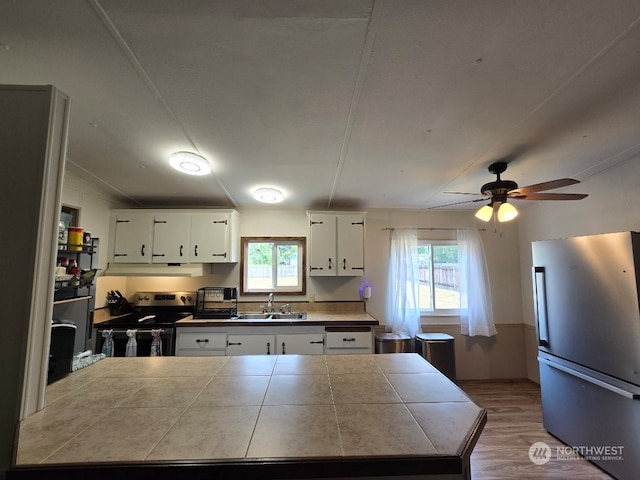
189	163
268	195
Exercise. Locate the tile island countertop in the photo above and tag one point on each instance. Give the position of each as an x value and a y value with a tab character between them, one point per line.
266	416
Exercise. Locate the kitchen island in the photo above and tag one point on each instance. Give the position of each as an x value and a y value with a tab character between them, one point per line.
263	416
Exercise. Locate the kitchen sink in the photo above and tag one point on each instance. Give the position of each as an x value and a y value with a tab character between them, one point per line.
272	316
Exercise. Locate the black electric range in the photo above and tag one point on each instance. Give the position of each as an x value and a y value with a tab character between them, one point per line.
152	312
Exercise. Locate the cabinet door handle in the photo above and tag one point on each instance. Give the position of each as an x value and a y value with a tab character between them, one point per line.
181	247
268	348
158	255
283	350
159	221
348	339
142	250
317	268
122	221
316	223
318	341
344	263
219	254
206	340
330	263
120	254
233	343
358	223
195	250
220	221
357	268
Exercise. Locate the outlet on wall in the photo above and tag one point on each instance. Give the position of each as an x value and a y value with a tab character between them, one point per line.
312	297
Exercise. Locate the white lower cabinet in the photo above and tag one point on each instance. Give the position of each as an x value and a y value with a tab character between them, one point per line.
275	340
251	344
300	344
344	341
202	342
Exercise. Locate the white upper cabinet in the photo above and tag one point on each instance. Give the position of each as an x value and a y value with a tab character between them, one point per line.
174	236
171	237
214	237
336	244
133	234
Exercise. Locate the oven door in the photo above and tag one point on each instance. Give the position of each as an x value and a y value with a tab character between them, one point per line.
143	340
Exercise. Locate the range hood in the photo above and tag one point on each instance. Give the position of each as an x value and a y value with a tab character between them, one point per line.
158	269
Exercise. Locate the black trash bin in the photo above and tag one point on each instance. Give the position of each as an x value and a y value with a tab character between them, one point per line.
438	349
63	336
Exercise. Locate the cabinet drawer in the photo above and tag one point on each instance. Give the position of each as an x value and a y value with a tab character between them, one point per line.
202	341
200	353
349	340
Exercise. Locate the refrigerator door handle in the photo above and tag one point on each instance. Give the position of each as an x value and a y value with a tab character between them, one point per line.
595	381
540	303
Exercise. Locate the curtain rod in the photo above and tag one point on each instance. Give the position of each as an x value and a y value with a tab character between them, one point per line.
429	228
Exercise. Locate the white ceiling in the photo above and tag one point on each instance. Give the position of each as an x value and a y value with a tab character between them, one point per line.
338	103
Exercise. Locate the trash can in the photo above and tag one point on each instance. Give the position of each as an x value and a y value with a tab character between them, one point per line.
393	343
438	349
63	334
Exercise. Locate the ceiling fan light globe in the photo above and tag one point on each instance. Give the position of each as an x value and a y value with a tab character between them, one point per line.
507	212
485	213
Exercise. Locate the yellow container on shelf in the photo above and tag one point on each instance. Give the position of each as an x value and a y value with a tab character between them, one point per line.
75	238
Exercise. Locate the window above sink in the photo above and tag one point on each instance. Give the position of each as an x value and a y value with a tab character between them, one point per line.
273	265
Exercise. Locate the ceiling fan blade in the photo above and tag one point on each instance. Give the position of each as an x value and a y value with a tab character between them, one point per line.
538	187
549	196
463	193
460	203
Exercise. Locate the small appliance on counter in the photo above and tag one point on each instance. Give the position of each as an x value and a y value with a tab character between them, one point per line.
216	303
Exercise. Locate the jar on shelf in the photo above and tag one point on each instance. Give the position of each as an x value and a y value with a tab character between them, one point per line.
75	238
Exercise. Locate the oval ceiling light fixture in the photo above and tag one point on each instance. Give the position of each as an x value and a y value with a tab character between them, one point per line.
268	195
189	163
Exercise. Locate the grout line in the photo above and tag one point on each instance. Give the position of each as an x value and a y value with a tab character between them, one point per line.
335	409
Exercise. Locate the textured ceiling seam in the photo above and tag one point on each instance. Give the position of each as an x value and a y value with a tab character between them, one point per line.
133	60
365	57
594	59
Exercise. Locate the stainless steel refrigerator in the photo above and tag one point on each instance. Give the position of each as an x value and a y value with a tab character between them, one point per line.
588	321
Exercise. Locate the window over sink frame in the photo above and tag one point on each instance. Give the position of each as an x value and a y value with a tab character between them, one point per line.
273	264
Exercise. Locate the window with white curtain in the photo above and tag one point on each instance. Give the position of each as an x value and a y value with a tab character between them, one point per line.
439	277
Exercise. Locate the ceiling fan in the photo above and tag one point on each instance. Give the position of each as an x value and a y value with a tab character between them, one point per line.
498	191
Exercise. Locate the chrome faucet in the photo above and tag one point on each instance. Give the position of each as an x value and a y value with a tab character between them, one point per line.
270	303
286	308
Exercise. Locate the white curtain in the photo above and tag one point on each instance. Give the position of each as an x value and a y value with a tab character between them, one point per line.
476	312
403	292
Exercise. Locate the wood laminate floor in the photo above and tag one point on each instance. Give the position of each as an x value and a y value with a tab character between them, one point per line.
514	424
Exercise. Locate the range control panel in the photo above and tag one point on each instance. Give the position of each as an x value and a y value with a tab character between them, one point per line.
164	299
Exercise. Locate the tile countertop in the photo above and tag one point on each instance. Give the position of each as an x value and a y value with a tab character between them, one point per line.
293	416
318	313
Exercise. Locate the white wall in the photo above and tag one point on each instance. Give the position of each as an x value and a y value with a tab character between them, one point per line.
612	206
